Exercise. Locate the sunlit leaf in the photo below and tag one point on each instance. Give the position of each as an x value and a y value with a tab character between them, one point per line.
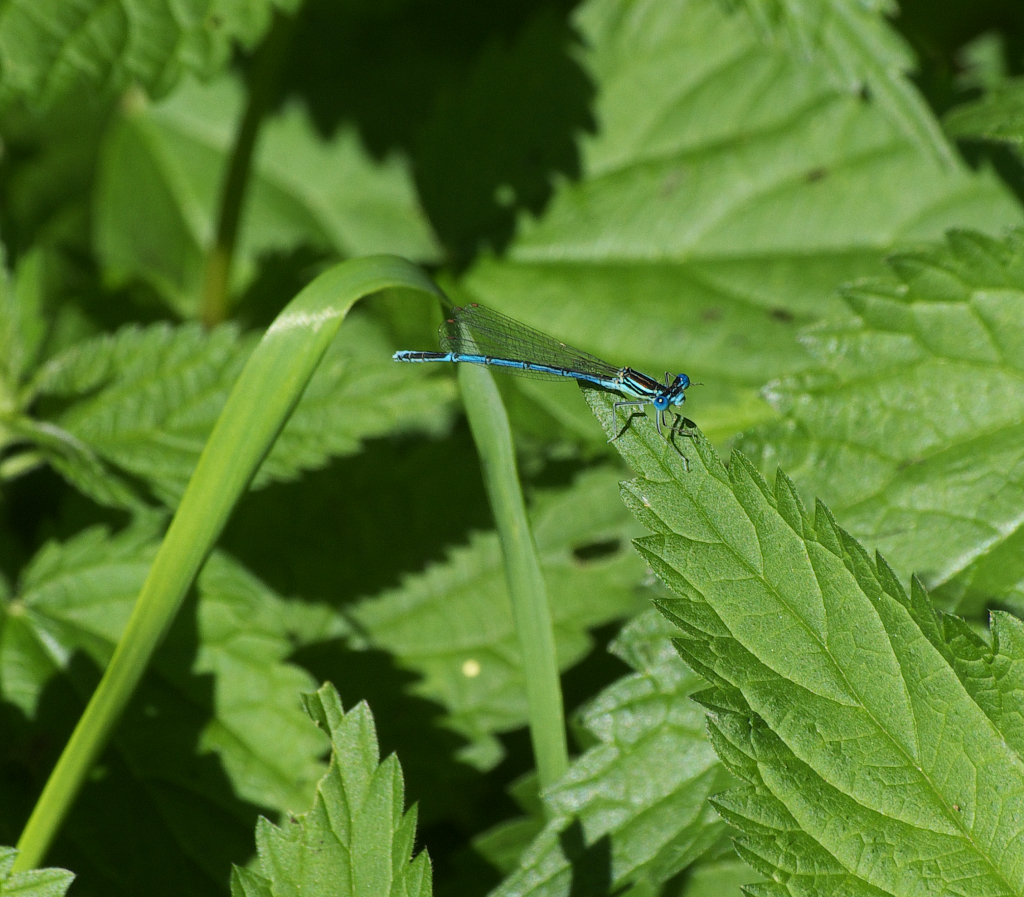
860	724
999	115
862	51
912	427
35	883
357	839
633	809
48	49
147	399
730	188
159	187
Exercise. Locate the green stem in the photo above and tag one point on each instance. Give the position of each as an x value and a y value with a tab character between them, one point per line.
18	465
263	85
527	590
260	403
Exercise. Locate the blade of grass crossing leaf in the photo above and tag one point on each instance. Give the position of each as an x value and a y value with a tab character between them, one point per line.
526	587
633	809
267	391
37	883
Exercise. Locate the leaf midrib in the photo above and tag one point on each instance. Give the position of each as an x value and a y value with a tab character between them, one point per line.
910	765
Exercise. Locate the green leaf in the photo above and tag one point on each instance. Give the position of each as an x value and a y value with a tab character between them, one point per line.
51	48
339	196
356	840
46	48
77	596
266	393
22	325
837	698
246	883
35	883
721	875
633	809
248	21
452	625
79	465
159	184
22	332
503	844
982	63
358	393
999	115
731	186
147	399
258	730
911	426
858	46
216	730
26	328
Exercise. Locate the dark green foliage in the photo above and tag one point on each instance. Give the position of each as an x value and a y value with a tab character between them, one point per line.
763	194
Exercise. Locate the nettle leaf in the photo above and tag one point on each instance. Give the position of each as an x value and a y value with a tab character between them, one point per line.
50	48
357	393
26	444
913	426
258	731
999	115
75	595
22	322
720	873
10	335
215	731
148	397
879	755
159	185
860	48
247	21
26	326
634	808
34	882
452	625
356	840
730	187
503	845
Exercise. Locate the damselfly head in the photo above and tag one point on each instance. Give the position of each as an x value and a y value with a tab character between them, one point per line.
676	392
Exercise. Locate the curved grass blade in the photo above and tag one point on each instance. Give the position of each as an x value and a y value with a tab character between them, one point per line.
265	395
